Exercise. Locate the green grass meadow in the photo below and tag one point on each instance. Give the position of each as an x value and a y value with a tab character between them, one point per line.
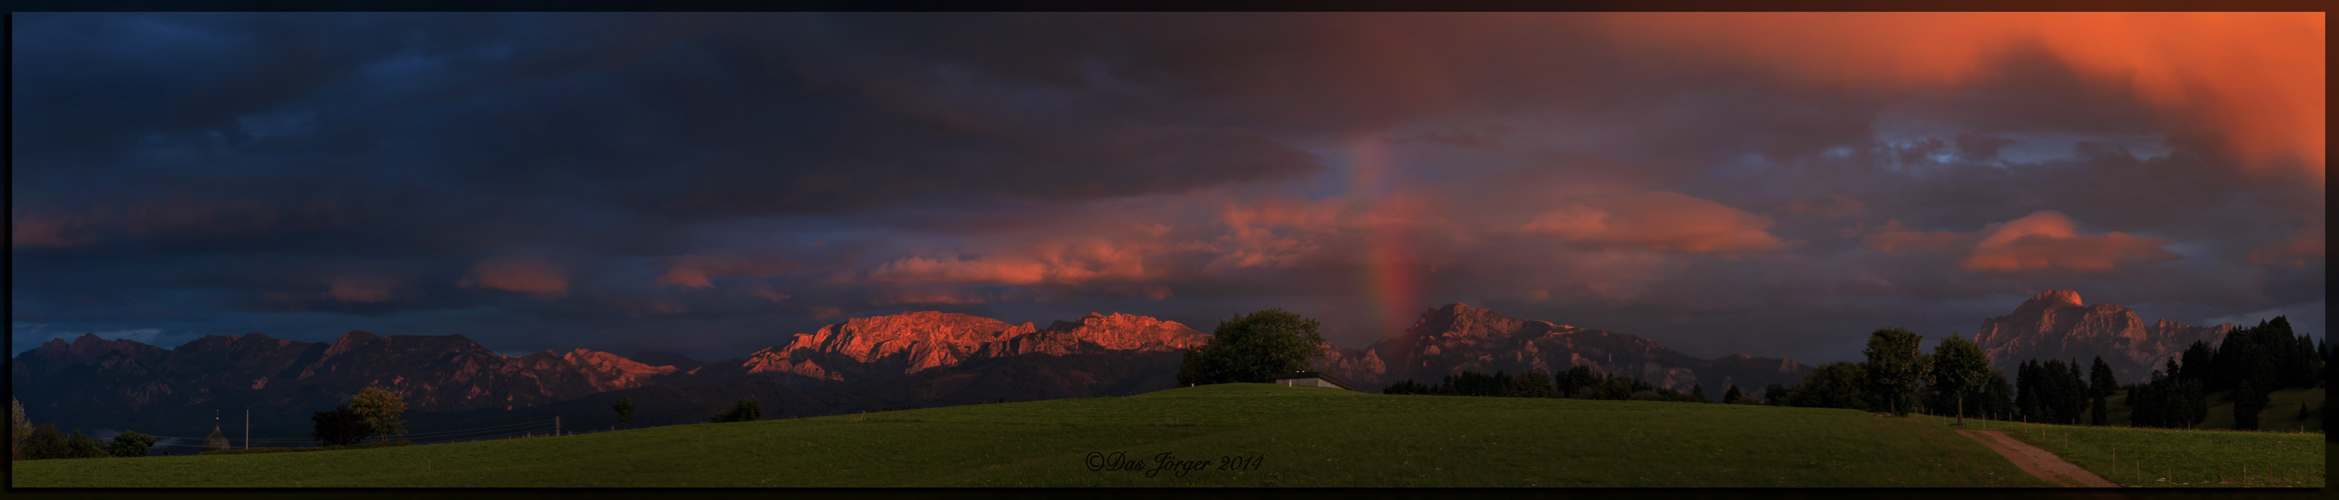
1282	436
2176	457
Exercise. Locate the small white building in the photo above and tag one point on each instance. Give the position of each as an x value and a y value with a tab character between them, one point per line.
1310	379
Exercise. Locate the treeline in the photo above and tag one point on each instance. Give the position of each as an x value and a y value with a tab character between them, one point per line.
2249	364
26	442
1579	382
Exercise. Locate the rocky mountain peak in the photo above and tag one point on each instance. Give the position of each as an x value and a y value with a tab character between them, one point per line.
2055	325
2053	298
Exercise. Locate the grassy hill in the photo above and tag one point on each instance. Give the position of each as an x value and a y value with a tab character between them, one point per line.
1283	436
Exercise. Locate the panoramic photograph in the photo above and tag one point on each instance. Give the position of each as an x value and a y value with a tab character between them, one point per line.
1036	250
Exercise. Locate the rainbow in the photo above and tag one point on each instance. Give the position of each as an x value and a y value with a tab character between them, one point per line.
1392	270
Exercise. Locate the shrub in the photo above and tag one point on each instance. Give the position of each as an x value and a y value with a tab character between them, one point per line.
340	426
130	444
746	410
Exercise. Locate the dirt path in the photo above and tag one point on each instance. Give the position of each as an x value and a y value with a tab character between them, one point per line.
2038	462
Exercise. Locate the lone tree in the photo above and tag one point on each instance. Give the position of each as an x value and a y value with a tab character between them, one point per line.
624	412
340	426
1731	395
130	444
19	428
1894	369
1961	367
380	407
1253	348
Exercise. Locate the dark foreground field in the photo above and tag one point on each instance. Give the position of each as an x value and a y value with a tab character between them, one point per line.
1226	435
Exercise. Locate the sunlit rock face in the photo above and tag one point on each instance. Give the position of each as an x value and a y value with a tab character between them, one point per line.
905	344
1451	339
2055	324
609	372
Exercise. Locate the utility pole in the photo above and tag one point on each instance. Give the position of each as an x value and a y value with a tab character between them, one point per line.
247	428
555	425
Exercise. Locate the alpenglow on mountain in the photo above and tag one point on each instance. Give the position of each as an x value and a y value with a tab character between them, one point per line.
2055	324
863	364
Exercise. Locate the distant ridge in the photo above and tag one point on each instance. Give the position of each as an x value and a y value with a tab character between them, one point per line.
1457	337
869	363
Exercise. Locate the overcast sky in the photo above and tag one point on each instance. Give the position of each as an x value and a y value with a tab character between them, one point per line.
1769	184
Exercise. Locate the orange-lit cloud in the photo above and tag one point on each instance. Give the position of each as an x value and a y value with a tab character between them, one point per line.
1831	206
516	274
1049	262
2303	248
953	270
2047	240
768	295
361	289
1657	221
2258	77
216	217
695	270
928	296
1893	236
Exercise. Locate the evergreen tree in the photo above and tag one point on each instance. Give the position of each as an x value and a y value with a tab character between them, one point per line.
2196	363
1576	381
1407	386
624	409
1998	397
2074	392
2102	380
2026	391
1533	384
1731	395
2248	403
1774	395
2098	413
1698	391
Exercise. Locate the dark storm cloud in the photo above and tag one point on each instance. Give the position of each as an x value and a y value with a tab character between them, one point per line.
712	183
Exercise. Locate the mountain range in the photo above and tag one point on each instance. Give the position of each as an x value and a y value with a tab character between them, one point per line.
894	361
1458	337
